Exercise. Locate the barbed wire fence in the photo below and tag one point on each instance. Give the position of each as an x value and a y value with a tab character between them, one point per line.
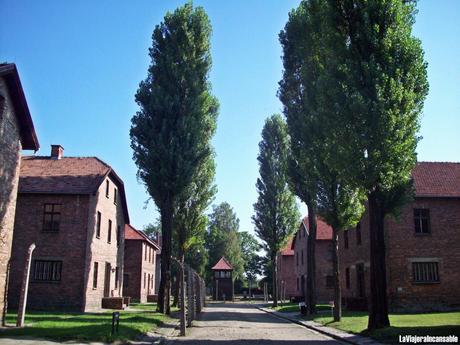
194	293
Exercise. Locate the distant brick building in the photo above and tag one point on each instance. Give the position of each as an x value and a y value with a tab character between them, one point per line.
16	133
223	280
422	247
287	271
323	254
140	265
74	209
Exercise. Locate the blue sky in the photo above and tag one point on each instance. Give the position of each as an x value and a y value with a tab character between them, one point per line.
81	62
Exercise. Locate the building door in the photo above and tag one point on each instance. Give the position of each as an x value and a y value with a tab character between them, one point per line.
148	284
302	287
108	271
360	280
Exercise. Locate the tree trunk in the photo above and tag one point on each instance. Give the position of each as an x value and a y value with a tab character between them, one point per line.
275	280
311	261
378	312
165	282
336	275
182	295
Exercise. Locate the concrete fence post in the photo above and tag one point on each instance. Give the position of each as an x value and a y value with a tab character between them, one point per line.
24	288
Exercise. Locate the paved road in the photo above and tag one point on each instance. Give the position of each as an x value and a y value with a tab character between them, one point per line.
243	324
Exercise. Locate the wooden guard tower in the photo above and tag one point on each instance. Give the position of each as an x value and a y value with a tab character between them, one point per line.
223	280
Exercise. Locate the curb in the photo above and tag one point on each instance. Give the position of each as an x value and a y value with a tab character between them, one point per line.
344	336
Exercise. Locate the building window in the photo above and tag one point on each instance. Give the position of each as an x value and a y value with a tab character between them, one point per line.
216	274
145	279
347	277
345	239
47	271
125	280
297	283
118	235
116	277
302	257
96	267
109	234
227	274
145	252
107	188
297	259
422	221
98	225
115	196
150	254
425	272
51	217
358	233
329	281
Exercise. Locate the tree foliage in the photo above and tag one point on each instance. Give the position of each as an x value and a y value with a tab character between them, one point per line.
358	74
250	251
222	239
275	213
171	132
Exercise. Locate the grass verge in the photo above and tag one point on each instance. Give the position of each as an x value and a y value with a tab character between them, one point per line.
435	324
61	326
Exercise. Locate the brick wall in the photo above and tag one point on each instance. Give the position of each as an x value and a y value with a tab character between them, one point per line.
100	250
10	148
148	271
442	245
133	269
403	247
300	250
286	273
323	252
66	245
323	265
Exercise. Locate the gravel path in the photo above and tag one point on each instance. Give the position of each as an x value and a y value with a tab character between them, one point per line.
243	324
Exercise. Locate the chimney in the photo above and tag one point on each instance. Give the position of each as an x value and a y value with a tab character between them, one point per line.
57	151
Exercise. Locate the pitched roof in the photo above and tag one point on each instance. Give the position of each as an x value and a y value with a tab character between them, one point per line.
68	175
132	234
323	230
223	265
437	179
9	73
287	250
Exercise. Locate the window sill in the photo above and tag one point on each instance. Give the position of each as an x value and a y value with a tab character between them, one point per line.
45	282
50	231
426	283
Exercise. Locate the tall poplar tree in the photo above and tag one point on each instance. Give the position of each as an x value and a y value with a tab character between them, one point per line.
383	75
276	215
301	41
222	239
358	62
171	132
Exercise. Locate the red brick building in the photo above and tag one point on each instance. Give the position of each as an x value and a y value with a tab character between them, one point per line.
287	271
74	209
16	133
223	280
422	246
323	253
140	264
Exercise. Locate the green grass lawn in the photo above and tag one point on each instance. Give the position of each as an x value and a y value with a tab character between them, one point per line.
84	326
148	306
436	324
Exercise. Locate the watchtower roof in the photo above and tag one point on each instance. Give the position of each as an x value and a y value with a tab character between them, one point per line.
222	265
